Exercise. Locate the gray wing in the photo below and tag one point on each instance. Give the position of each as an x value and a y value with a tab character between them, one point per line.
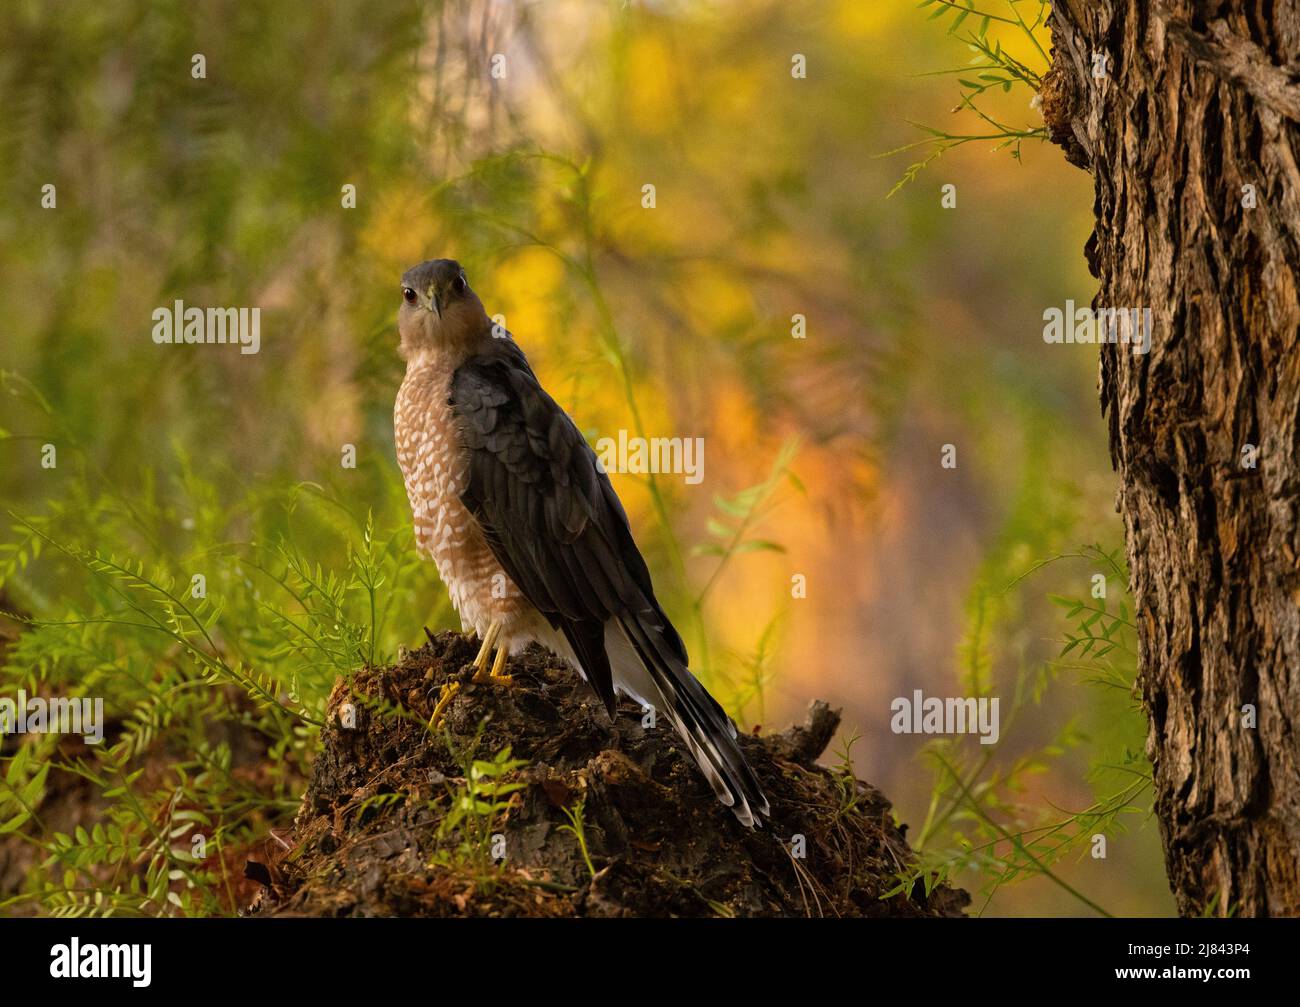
550	514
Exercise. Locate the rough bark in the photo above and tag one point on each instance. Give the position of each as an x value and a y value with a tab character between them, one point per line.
1199	101
372	838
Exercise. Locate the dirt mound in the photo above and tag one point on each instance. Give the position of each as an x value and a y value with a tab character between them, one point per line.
582	817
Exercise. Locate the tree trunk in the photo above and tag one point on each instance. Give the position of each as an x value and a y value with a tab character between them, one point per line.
1191	136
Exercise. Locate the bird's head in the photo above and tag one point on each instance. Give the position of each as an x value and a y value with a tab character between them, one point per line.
439	310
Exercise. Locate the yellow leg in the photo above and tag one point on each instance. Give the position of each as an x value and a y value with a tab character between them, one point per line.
485	651
499	667
444	699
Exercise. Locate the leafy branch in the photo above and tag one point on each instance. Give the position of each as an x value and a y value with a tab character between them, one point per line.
992	68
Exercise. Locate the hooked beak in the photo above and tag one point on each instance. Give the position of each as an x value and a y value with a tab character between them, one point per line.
434	304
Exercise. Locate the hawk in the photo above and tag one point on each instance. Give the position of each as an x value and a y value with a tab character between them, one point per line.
527	533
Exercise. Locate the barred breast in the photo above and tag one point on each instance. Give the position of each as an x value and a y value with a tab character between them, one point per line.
435	466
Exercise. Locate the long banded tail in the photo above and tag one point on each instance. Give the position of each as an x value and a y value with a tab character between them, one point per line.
702	724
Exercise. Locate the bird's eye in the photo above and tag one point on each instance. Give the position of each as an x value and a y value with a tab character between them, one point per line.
459	284
409	295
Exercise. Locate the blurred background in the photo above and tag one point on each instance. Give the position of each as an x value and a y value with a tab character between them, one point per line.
827	553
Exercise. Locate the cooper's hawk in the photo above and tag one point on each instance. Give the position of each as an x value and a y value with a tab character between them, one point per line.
528	535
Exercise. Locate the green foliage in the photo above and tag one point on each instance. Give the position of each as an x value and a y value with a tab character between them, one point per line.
746	686
477	802
979	819
846	776
24	782
182	666
578	829
731	534
991	69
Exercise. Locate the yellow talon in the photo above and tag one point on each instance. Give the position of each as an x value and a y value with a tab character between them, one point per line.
485	651
499	667
444	699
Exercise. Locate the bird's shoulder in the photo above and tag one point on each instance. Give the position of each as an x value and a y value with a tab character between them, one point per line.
495	374
521	441
499	399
